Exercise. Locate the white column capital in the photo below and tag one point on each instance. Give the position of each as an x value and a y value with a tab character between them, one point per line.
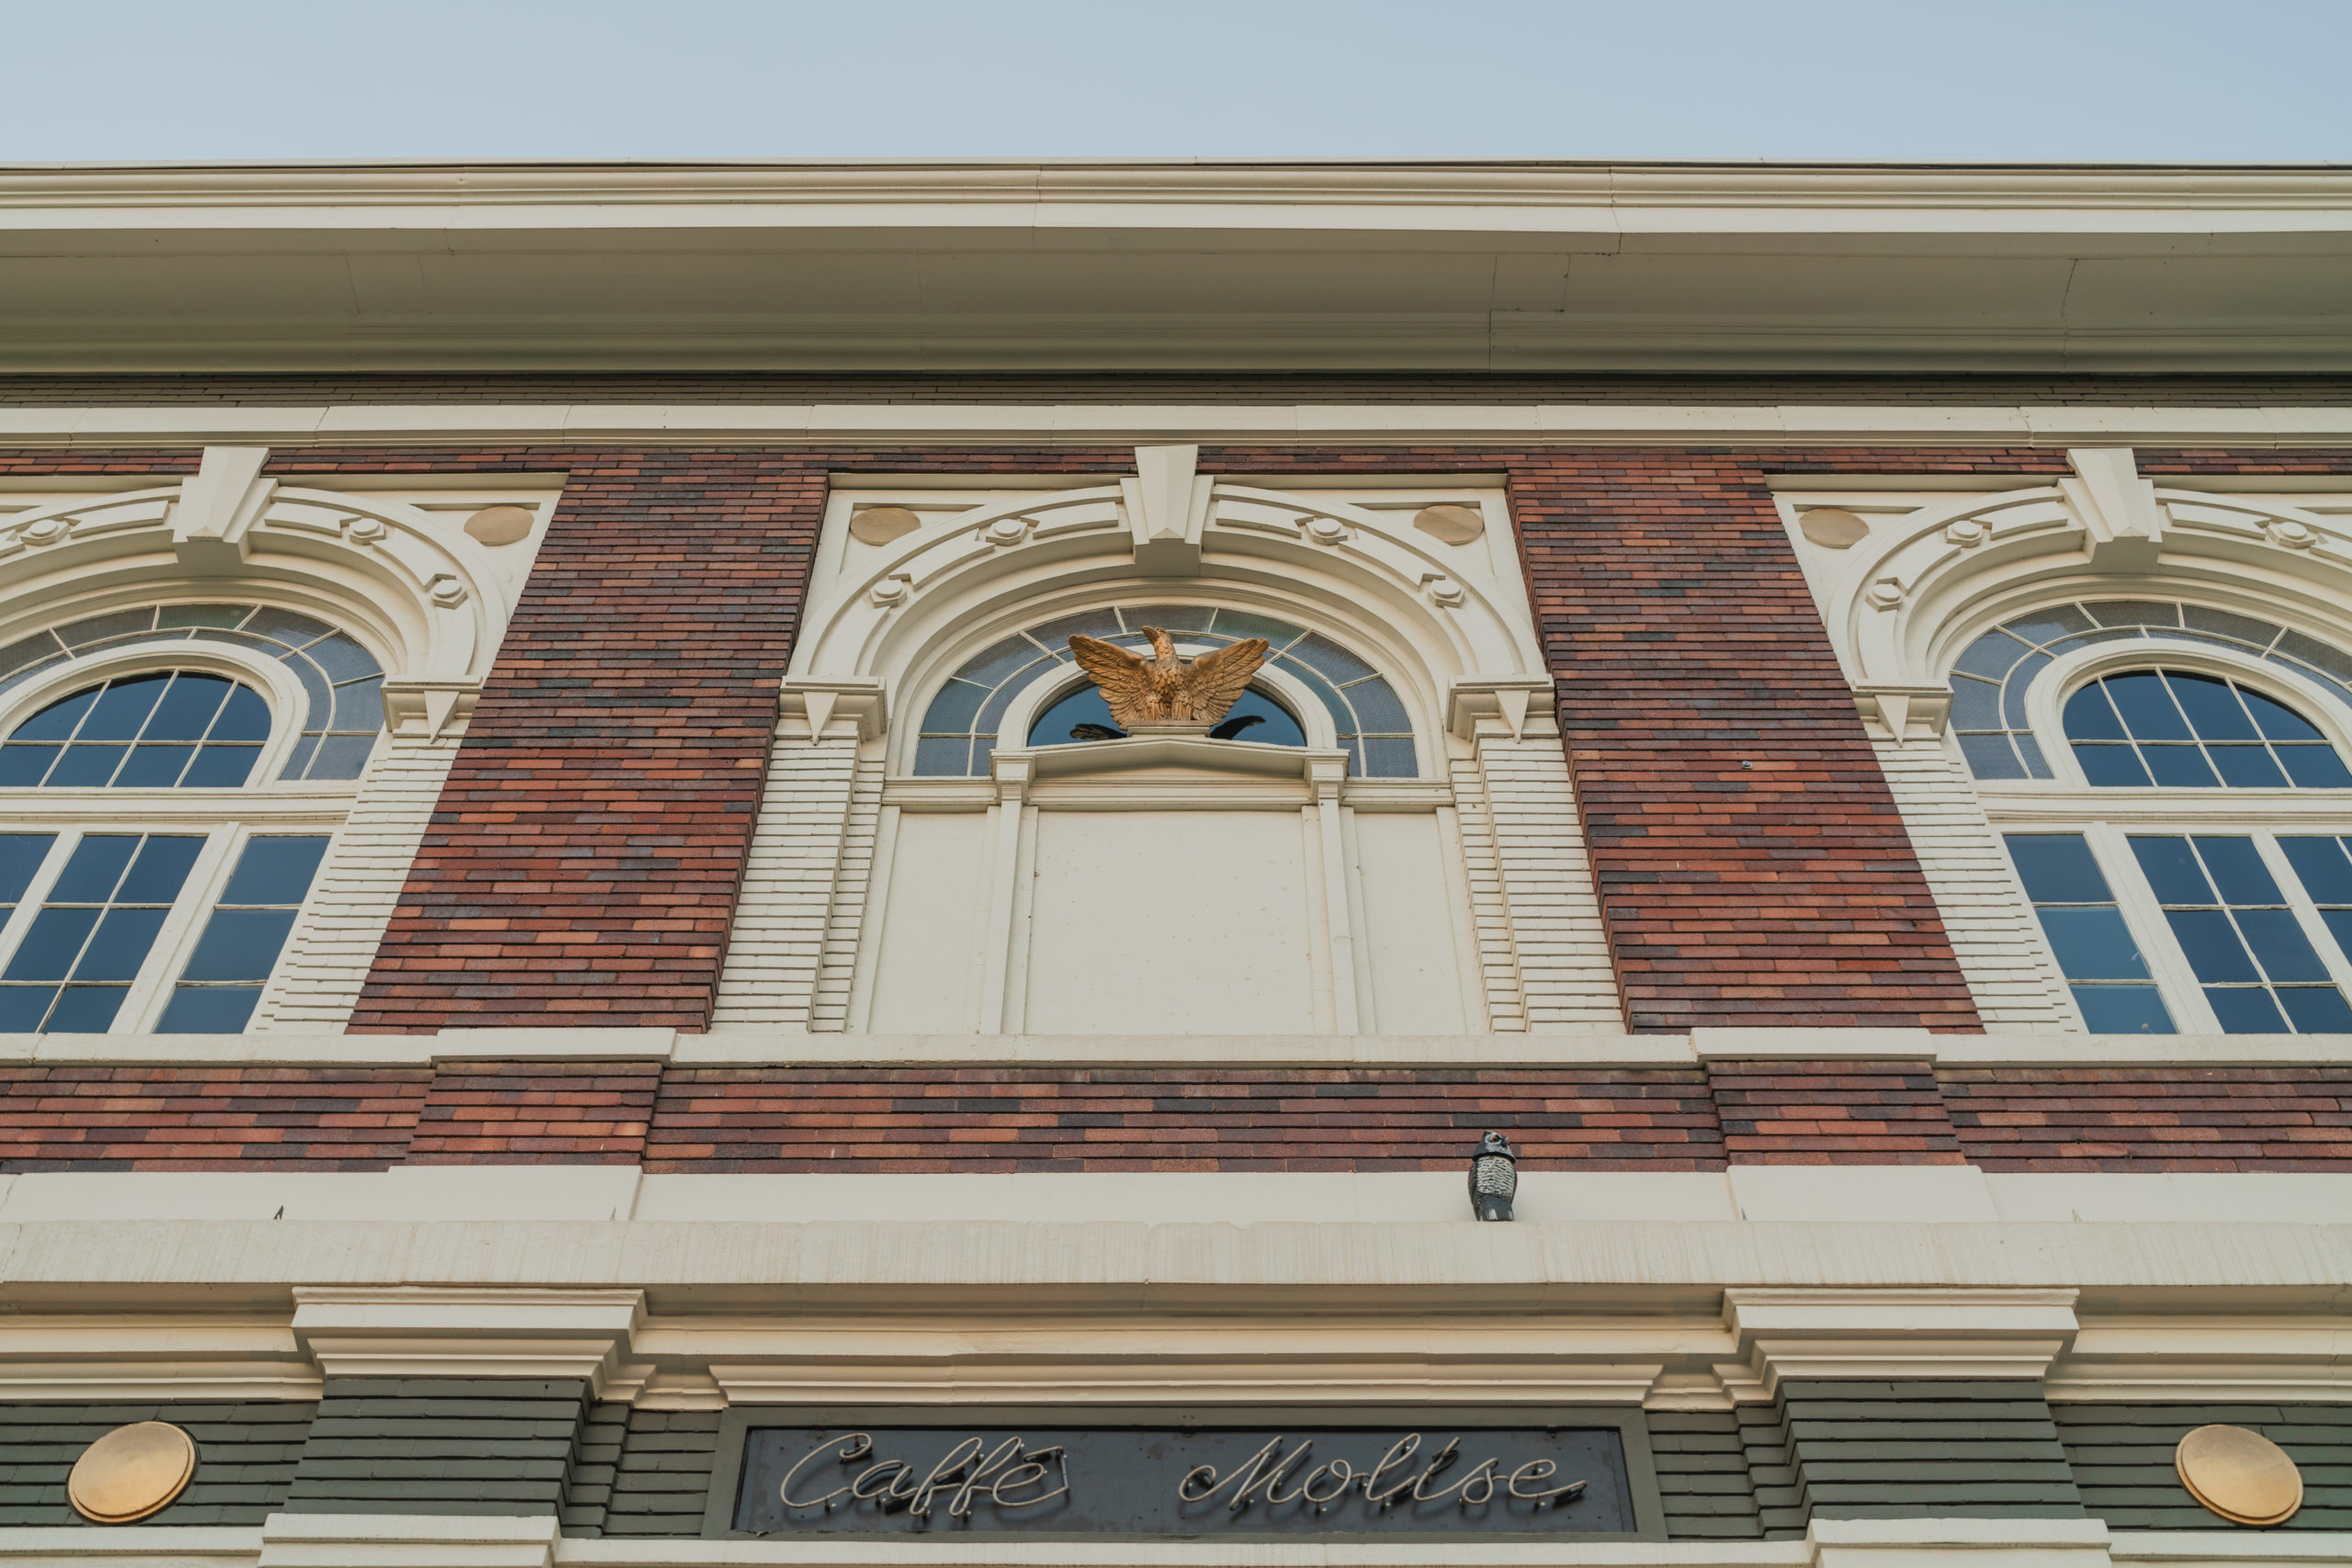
1910	1334
413	1331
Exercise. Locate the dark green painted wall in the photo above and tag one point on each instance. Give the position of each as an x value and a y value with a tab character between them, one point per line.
2121	1456
245	1455
440	1446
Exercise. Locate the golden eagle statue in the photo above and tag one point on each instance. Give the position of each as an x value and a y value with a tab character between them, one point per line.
1166	689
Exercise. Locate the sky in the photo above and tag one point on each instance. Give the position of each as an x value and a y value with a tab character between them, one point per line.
1992	80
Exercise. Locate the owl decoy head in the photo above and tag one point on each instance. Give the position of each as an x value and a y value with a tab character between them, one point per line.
1496	1144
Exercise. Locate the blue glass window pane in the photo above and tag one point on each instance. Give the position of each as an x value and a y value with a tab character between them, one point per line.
59	719
2047	625
2278	721
1990	656
1377	709
2112	767
39	649
2316	1010
951	710
153	767
1083	706
991	714
22	1007
2093	944
1170	617
87	767
2315	767
2134	613
245	717
2058	868
2279	945
1990	757
100	628
998	661
318	694
224	767
2339	925
237	944
2013	691
1238	624
2323	867
50	947
162	867
2239	629
276	869
2214	948
2147	708
85	1009
209	1009
187	709
1319	653
285	626
96	864
22	766
942	758
338	757
1976	705
2246	1010
2211	707
1056	635
120	946
183	615
2035	767
2180	767
1389	760
1276	726
123	707
21	854
2090	716
342	657
2247	767
297	762
360	704
2237	871
2171	871
2123	1010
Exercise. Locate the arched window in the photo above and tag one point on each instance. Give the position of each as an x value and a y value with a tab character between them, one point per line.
2172	913
172	915
960	728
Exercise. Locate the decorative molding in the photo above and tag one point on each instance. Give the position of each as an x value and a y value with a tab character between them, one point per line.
1944	1332
2219	1358
1167	506
217	507
2117	506
806	709
124	1358
426	711
407	1540
1902	713
419	1331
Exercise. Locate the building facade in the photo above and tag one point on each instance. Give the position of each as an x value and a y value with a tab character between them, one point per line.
587	980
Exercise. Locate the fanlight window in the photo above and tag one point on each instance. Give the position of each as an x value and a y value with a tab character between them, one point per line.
155	731
1990	679
960	731
2170	728
340	680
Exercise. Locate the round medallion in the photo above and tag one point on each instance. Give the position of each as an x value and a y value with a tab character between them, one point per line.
1449	524
880	524
2241	1475
1833	528
131	1473
499	525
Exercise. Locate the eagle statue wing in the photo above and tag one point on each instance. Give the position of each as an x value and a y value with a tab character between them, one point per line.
1127	690
1215	680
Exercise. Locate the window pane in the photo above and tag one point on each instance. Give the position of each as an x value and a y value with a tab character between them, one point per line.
2147	708
187	709
2278	721
123	707
951	712
2325	868
2247	767
2246	1009
163	865
1990	757
239	944
2089	716
339	756
2171	871
2316	1010
86	767
2180	767
2123	1010
23	766
85	1009
59	719
153	767
209	1009
22	1007
21	854
221	767
275	870
2237	871
2093	944
96	864
2058	868
51	945
120	946
2280	946
2315	767
2212	708
2213	947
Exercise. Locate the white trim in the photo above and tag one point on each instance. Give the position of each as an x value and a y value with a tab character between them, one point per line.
1276	424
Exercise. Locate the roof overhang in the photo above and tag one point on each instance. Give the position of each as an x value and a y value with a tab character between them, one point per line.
1128	266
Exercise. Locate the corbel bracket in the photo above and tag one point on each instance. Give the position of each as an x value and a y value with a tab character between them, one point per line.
806	709
429	710
1900	1335
405	1331
1520	704
217	507
1903	714
1167	505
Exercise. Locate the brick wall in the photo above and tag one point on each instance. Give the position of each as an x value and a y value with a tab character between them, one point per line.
1002	1119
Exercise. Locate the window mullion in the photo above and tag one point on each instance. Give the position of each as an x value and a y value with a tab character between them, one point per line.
204	882
2298	900
2175	979
52	867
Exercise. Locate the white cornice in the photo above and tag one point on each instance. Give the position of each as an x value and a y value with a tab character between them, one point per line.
1273	424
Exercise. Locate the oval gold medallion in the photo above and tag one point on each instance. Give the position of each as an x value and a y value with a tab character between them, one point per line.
880	524
1833	528
2241	1475
1450	524
131	1473
499	525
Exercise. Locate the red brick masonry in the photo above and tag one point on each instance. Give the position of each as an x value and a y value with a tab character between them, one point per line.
982	1119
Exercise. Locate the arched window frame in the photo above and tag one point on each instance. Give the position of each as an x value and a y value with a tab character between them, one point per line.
228	819
2107	818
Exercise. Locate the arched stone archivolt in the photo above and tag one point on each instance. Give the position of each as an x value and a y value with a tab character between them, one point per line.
2099	571
897	889
366	619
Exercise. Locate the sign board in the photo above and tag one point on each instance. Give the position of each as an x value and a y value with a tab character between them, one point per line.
1411	1478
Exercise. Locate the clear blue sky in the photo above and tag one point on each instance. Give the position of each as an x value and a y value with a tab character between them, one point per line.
2148	80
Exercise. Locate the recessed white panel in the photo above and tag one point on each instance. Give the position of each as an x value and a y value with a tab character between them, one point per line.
1170	922
923	977
1408	920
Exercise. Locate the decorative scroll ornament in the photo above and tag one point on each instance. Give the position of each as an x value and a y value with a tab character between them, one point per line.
1166	692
